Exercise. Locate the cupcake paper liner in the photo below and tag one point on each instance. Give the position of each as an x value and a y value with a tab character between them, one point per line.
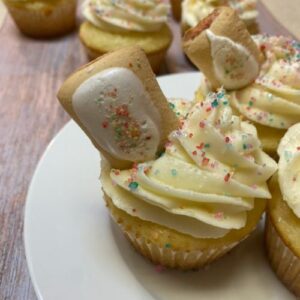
41	23
171	258
283	261
165	254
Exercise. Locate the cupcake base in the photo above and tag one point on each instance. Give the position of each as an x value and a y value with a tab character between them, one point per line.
169	248
98	42
283	261
282	239
45	21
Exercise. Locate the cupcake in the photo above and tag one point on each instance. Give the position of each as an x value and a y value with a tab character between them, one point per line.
184	190
272	102
43	18
261	73
193	11
111	25
283	213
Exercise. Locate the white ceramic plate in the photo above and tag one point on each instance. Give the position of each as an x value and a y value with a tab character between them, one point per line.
75	252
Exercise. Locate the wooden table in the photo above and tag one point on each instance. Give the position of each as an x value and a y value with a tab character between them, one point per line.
31	72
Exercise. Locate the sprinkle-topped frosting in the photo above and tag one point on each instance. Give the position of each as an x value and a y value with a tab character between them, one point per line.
205	182
289	168
194	11
128	15
234	65
117	111
274	99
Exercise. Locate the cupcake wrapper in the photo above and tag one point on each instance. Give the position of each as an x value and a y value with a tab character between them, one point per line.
45	23
172	258
283	261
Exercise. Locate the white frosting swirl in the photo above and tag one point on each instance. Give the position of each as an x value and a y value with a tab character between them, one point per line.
289	168
194	11
234	65
205	182
128	15
117	111
274	98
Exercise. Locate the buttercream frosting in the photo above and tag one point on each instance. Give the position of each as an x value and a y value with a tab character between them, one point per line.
289	168
234	65
274	98
207	179
117	111
194	11
127	15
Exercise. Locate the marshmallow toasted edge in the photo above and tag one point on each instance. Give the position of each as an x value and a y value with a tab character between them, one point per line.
134	59
225	22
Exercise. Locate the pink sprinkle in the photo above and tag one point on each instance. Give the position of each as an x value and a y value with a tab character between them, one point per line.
208	109
219	215
205	161
254	186
117	172
298	148
194	152
227	177
200	146
227	139
190	135
202	124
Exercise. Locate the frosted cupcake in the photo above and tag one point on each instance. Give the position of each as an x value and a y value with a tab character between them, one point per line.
283	218
43	18
262	73
193	11
184	191
272	101
111	25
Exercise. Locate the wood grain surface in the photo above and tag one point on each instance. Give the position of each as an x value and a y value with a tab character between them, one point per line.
31	72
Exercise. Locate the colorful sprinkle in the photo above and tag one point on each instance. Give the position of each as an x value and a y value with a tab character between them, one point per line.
205	161
227	177
133	185
168	245
219	215
173	172
202	124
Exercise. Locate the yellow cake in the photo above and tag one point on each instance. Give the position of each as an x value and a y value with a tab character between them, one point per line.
193	11
283	213
41	19
109	27
98	42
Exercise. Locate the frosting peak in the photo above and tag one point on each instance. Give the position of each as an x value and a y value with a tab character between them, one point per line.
289	168
128	15
207	179
274	98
